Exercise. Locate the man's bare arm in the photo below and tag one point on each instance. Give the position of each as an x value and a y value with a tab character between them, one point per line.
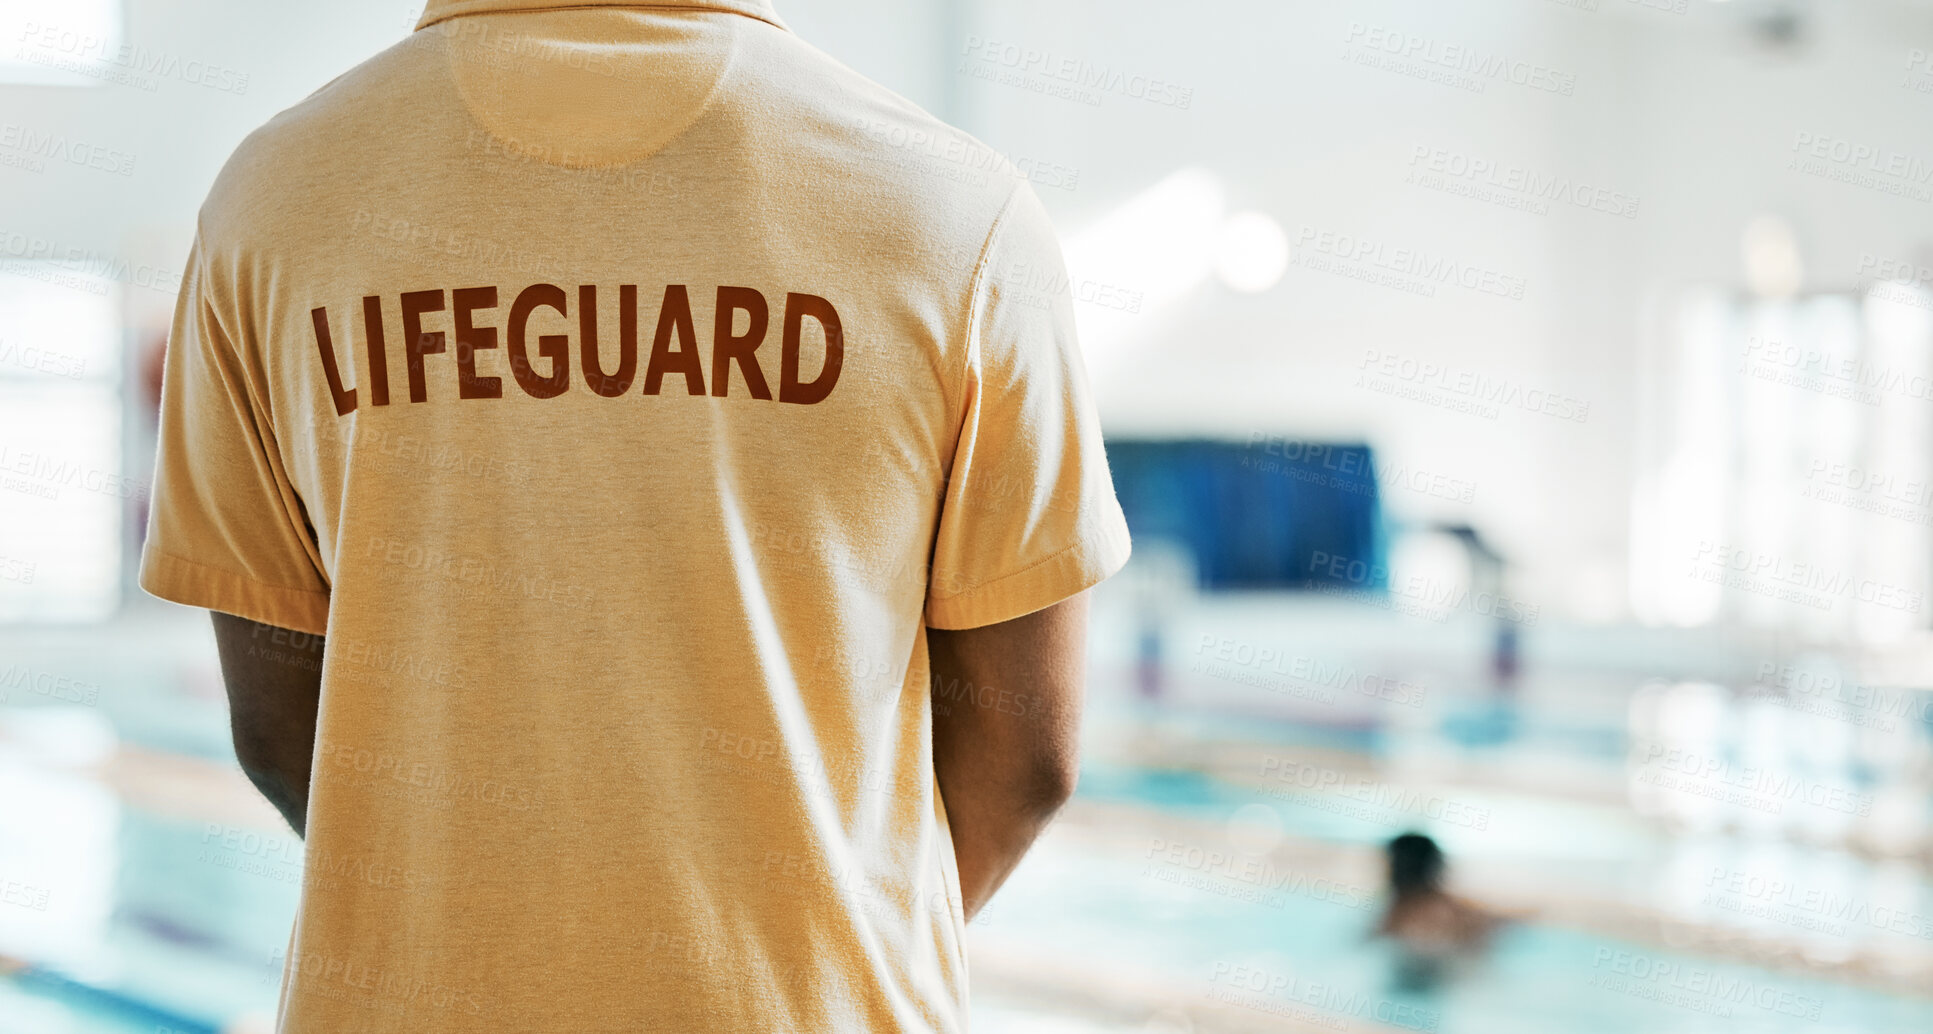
1004	774
274	679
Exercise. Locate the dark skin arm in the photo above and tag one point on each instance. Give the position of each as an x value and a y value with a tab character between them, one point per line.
1003	775
274	680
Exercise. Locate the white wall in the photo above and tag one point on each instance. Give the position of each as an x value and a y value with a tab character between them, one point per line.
1671	108
1676	109
179	133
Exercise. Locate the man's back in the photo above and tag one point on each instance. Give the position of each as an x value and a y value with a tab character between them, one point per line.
623	391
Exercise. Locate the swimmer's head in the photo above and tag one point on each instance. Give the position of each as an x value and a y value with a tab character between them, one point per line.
1415	864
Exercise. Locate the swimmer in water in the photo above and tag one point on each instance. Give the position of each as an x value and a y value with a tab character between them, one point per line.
1432	927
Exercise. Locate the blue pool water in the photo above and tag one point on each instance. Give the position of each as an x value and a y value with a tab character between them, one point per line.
36	1002
1267	939
1309	955
193	942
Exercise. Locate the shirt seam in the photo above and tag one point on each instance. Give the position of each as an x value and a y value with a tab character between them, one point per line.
230	341
259	400
970	355
703	110
772	21
974	321
1087	537
198	565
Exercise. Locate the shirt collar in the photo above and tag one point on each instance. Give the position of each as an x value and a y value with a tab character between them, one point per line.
440	10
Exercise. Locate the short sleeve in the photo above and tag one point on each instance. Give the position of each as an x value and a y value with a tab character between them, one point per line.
226	530
1029	517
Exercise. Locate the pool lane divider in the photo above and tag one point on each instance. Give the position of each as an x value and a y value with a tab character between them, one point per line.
55	985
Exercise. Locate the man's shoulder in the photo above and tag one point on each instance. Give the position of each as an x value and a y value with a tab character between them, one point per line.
878	158
873	142
318	143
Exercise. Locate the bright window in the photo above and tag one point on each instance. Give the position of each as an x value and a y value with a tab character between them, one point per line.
1785	466
61	42
63	497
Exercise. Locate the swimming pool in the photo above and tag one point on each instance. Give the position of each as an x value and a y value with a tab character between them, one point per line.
1304	957
1121	926
43	1003
1178	923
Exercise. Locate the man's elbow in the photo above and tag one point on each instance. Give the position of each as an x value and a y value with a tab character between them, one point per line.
257	767
255	748
260	769
266	759
1051	784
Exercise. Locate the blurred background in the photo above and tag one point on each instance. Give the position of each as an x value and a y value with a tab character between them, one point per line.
1523	410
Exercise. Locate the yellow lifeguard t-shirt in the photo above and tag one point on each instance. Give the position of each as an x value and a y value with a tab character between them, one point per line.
623	390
